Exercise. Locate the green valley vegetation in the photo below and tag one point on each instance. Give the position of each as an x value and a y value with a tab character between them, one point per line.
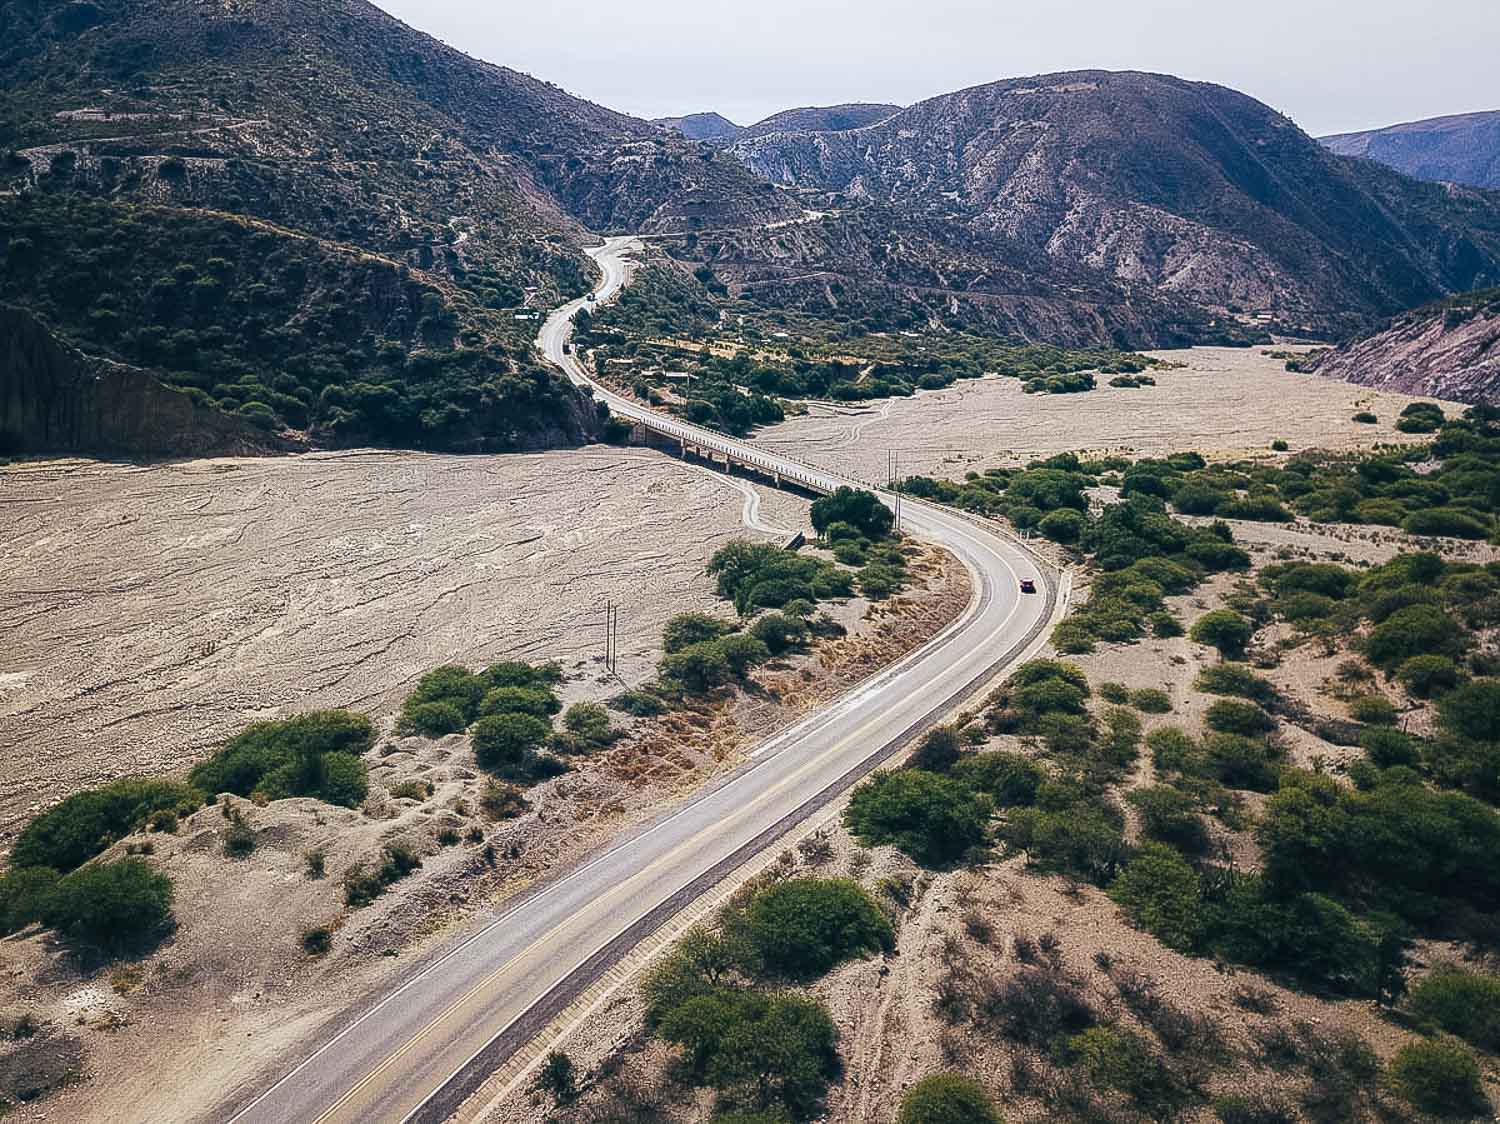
719	995
718	380
289	332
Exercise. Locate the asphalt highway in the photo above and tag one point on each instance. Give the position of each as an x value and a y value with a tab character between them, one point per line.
417	1052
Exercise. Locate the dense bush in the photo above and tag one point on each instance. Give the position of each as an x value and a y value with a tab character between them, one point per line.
1230	717
763	576
1440	1077
1009	779
802	927
313	754
1427	676
24	894
1159	891
857	507
86	823
687	629
1170	816
1460	1002
947	1098
507	744
363	885
1473	710
780	632
934	819
111	906
539	702
1223	629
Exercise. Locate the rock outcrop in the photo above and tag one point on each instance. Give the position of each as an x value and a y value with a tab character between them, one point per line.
55	399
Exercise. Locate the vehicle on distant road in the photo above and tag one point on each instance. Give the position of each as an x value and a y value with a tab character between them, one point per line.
1028	586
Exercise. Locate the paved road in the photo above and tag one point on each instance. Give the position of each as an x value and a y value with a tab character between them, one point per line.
418	1052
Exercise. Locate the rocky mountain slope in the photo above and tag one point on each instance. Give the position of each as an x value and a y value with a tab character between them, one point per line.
1464	148
341	127
1185	189
823	119
1448	350
702	126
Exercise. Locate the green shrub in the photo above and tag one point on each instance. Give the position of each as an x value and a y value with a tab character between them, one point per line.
1151	700
24	894
1086	841
934	819
1172	749
1427	676
1064	525
87	823
502	801
1473	710
1229	716
687	629
1170	816
1416	630
741	653
1159	891
698	667
1439	1077
1279	446
1164	625
1241	762
802	927
860	509
1387	748
111	906
317	940
1460	1002
432	719
1375	710
1009	779
947	1098
1364	417
1122	1060
1223	629
362	886
1235	679
780	632
539	702
286	758
239	839
1446	522
938	751
507	743
640	704
451	685
1114	692
588	724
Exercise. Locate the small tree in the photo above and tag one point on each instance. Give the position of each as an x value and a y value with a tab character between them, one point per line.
687	629
858	508
934	819
803	927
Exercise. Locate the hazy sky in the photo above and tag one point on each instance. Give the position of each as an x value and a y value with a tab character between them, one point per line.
1332	65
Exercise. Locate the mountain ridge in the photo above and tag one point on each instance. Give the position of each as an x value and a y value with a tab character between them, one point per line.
1457	148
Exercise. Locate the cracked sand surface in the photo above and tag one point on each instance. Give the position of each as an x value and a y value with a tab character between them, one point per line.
150	611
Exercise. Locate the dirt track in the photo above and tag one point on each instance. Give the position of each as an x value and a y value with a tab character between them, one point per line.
1225	400
150	611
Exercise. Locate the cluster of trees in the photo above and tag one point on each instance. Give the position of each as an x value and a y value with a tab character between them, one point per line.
763	576
275	328
718	998
665	304
508	710
316	754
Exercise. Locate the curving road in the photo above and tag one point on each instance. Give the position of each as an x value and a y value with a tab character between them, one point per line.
416	1054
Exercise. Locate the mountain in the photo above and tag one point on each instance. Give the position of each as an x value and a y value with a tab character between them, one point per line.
1449	349
1186	190
324	139
702	126
822	119
1464	148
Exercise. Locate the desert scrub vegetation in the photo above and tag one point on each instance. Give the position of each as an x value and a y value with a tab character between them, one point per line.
947	1098
108	908
87	823
315	754
364	883
738	391
507	710
714	996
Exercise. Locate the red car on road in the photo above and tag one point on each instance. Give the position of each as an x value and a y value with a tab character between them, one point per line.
1028	586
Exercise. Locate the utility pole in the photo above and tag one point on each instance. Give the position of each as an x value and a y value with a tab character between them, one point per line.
893	480
611	611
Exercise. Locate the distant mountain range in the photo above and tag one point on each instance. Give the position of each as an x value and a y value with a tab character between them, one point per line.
1184	190
811	119
1460	149
313	219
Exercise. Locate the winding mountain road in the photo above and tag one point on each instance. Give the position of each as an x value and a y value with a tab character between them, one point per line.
416	1053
